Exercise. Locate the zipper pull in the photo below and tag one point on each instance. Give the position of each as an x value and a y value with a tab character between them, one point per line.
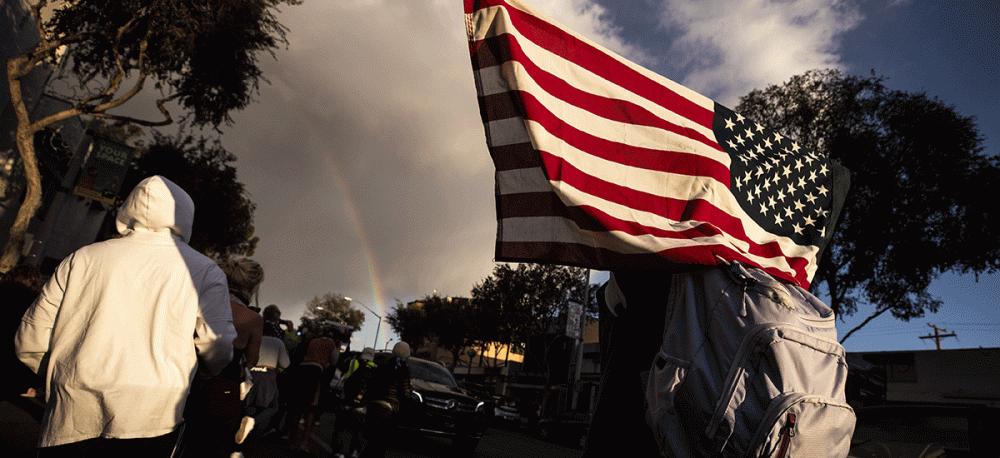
787	433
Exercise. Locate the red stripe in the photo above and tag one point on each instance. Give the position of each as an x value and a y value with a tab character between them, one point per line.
631	156
567	46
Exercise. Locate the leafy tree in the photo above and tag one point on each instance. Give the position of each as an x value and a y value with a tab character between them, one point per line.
409	322
919	178
332	311
526	302
451	323
223	218
199	54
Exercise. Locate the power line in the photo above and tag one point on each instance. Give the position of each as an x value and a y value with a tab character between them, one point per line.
938	336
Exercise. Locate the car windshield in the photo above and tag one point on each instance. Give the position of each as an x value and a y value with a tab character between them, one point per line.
430	372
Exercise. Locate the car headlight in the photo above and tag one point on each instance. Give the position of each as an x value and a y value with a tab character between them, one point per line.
481	407
416	396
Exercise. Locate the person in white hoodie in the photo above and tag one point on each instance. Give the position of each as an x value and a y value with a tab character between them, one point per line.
120	329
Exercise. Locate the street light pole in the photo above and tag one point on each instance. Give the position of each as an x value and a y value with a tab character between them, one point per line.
377	328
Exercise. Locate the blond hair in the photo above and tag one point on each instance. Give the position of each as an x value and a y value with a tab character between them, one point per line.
244	276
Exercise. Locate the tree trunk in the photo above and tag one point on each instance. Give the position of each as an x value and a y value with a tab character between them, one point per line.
24	138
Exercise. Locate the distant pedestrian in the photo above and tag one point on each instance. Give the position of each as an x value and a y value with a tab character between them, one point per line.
320	354
272	320
119	330
262	402
389	390
347	434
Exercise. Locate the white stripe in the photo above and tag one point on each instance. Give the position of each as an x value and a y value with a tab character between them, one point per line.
491	82
510	131
522	180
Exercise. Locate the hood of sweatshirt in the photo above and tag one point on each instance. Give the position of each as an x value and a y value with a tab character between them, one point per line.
157	205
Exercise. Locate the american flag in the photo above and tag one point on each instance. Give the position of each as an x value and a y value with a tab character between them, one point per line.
601	163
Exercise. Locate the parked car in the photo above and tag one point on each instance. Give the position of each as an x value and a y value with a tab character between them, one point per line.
443	408
506	414
904	431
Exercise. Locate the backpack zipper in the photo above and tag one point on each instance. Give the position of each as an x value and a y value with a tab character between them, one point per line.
786	435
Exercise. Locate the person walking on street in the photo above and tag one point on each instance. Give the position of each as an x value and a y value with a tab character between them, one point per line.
262	402
347	434
390	390
320	353
215	409
120	329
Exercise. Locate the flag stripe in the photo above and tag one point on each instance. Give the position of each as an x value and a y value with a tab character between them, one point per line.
515	156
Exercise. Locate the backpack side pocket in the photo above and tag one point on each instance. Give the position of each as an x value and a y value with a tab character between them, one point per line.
665	378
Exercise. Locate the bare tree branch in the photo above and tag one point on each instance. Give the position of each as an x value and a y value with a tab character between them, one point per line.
863	323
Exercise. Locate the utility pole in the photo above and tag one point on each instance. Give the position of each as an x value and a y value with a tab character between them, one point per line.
938	336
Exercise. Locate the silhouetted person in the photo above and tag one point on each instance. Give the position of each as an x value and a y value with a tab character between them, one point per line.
215	410
390	390
22	386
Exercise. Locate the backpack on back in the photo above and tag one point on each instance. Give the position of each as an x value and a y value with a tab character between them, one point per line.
749	367
356	381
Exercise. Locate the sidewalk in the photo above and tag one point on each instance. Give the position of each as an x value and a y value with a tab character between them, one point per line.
19	436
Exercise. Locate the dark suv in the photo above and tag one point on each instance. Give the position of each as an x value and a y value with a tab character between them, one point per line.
442	408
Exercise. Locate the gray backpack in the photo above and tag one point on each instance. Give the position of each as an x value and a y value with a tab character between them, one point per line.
749	367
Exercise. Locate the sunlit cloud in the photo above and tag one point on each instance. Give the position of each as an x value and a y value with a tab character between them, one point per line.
732	47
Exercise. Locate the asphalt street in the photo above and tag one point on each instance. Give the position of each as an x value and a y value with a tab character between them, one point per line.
19	432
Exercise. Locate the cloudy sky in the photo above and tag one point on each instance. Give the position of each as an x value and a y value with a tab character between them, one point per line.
367	159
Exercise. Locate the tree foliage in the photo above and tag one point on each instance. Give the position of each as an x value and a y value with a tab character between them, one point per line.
529	303
449	322
452	323
916	207
409	322
200	54
223	217
521	300
327	312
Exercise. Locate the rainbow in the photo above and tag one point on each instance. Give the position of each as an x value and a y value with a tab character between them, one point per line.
377	301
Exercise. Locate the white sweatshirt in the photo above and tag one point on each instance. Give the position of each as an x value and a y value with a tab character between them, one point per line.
118	330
